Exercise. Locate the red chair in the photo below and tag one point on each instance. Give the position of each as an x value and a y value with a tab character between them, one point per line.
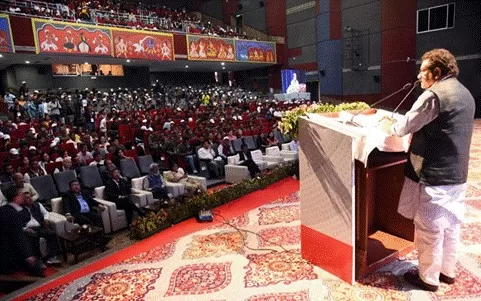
15	163
50	167
109	156
69	148
3	156
131	153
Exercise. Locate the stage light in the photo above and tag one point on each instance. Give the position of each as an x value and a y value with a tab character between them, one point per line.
223	67
1	55
222	63
128	61
27	62
186	66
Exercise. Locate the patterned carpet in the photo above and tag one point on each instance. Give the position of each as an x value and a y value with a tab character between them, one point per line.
221	263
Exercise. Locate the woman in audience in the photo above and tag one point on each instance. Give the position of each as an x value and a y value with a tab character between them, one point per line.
272	140
44	160
24	164
118	155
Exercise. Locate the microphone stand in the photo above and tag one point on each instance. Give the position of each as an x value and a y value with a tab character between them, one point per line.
416	83
380	101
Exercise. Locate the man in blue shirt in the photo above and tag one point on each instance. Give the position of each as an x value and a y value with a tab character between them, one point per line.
81	207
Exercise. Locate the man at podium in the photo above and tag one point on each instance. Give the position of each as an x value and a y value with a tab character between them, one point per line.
434	189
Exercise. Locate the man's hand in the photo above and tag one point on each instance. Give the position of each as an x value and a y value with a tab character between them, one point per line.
69	218
385	125
30	231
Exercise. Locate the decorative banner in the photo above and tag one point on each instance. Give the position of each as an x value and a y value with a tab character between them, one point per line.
254	51
206	48
6	41
136	44
62	37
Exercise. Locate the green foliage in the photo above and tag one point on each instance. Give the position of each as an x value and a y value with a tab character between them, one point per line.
152	223
289	124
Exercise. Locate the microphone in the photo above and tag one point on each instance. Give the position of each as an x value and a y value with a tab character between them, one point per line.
416	83
406	86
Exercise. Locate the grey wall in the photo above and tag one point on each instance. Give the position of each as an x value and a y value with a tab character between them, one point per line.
40	77
301	30
246	79
361	46
134	77
36	76
253	14
183	78
464	41
212	8
8	79
167	3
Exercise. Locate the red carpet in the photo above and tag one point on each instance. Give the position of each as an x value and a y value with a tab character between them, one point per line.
230	210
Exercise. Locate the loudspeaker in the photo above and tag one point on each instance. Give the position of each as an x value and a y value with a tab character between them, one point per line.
376	78
322	73
240	7
261	3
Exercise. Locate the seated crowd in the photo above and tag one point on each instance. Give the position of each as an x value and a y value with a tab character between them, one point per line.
119	13
52	132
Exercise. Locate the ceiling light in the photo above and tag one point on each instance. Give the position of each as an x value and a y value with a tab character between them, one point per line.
128	61
223	67
27	62
1	55
186	66
222	63
86	63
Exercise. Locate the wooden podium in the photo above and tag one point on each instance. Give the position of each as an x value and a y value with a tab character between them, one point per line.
349	196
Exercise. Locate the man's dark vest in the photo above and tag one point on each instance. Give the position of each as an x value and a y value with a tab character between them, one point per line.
439	152
35	211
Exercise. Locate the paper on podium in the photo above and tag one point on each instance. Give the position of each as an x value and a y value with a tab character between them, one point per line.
366	135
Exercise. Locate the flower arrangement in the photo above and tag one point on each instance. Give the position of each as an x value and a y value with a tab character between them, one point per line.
289	125
151	223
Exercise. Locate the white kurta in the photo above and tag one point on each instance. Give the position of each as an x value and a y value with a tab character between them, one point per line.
438	211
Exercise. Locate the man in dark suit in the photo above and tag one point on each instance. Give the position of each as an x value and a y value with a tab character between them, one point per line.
81	207
38	226
118	191
245	155
15	248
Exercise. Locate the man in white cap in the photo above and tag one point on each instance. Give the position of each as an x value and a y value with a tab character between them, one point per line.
10	99
23	90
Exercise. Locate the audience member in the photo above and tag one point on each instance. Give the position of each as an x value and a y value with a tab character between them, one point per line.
156	183
81	207
19	182
178	175
215	164
225	149
118	191
35	171
246	158
38	226
15	246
